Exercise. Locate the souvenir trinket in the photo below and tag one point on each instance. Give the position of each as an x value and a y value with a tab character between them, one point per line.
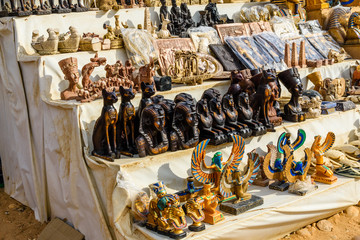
213	16
147	90
43	9
190	192
291	80
274	166
87	70
274	106
165	14
323	174
166	216
107	5
233	29
343	105
193	208
327	107
353	31
311	103
164	32
104	133
77	7
60	8
235	182
162	83
168	105
21	11
337	24
185	133
210	202
126	123
69	67
217	166
90	42
141	207
226	57
180	18
116	40
261	100
45	46
152	137
261	179
69	42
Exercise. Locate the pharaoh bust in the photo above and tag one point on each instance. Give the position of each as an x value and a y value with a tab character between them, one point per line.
69	66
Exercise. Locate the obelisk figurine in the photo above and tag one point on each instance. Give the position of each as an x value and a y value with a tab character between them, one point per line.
294	56
302	56
287	56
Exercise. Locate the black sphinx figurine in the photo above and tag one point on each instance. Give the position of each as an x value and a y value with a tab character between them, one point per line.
246	115
228	106
185	133
152	137
168	105
126	123
104	133
23	10
291	80
183	97
261	99
60	8
205	124
213	98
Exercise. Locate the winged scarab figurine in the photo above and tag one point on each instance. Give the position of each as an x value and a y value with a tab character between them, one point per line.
296	169
323	174
217	164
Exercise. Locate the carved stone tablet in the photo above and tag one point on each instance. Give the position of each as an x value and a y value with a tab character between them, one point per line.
226	57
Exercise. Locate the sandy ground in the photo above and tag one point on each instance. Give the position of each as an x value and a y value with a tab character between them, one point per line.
17	222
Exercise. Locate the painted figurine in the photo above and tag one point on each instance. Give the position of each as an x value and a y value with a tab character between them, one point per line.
152	137
193	208
210	202
291	80
168	105
126	123
217	165
104	133
166	216
141	207
323	174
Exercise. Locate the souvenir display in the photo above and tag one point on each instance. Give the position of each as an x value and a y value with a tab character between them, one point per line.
166	215
261	100
291	80
311	104
167	49
43	45
323	174
236	183
311	53
353	31
278	168
87	70
104	133
226	57
327	46
185	133
69	42
126	123
152	137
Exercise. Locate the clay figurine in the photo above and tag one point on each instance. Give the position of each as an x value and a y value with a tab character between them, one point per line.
323	174
45	46
69	67
87	70
210	202
205	124
213	16
274	106
185	133
152	137
164	32
165	14
236	183
217	166
104	133
166	215
311	103
69	42
126	123
246	115
291	80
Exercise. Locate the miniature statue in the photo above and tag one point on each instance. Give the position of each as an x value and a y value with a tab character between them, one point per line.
169	106
294	55
246	115
291	80
185	133
353	31
302	55
311	104
78	7
107	5
323	174
87	70
217	165
164	32
69	67
236	183
261	179
163	83
104	133
126	123
213	16
203	19
219	119
274	106
69	42
140	207
116	41
274	166
234	89
187	17
190	192
194	210
45	46
287	55
23	10
231	116
165	14
147	73
43	9
260	102
152	137
60	8
130	69
176	19
337	23
165	213
210	203
205	124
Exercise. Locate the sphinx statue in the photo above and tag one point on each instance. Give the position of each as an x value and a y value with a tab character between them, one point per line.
353	31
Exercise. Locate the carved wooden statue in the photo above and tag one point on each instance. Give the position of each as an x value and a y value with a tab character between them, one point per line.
274	106
104	133
126	123
246	115
205	124
152	137
168	105
147	90
231	115
291	80
185	132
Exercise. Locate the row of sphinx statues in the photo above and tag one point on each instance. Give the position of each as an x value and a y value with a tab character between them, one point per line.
249	108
